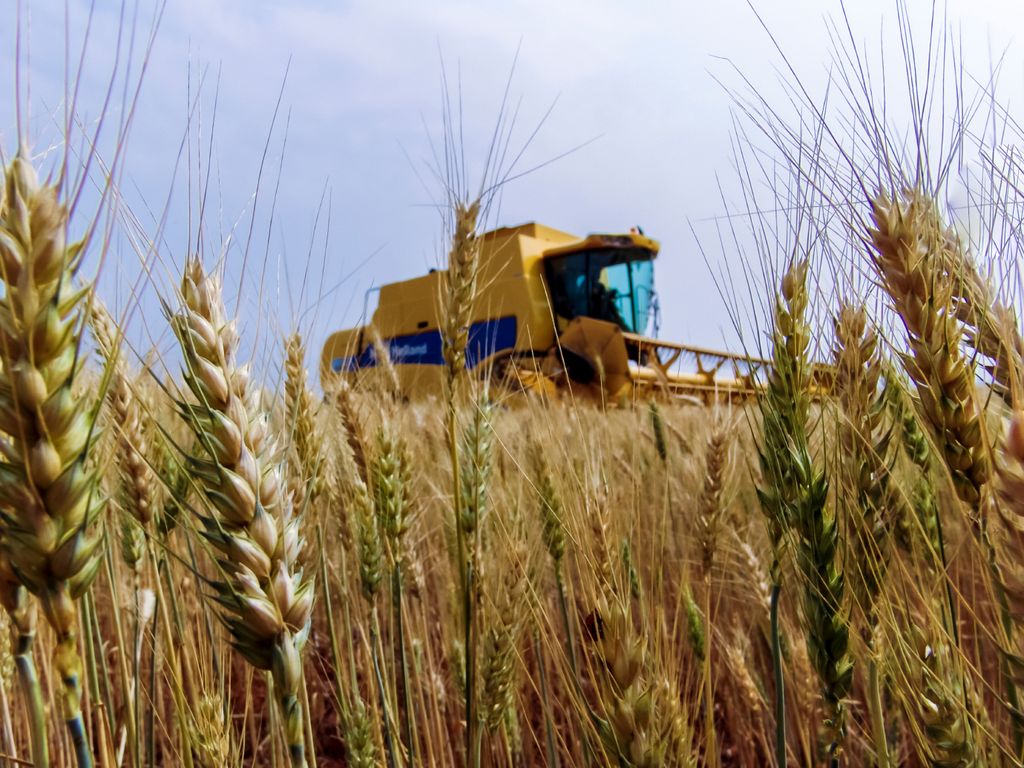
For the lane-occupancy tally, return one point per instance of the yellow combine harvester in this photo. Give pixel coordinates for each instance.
(554, 313)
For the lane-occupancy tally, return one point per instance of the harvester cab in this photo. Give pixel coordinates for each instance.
(605, 281)
(554, 313)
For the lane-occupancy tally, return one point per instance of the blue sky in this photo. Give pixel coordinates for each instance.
(635, 83)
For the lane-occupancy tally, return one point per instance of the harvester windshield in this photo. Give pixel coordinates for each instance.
(613, 284)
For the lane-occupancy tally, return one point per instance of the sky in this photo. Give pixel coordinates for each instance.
(623, 116)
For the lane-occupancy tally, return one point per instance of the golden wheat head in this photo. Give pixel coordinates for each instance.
(267, 602)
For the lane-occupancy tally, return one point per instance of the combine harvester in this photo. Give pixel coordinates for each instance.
(554, 314)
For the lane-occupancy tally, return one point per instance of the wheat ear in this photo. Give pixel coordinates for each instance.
(915, 446)
(644, 723)
(359, 743)
(908, 243)
(305, 459)
(48, 491)
(371, 573)
(135, 481)
(211, 739)
(864, 438)
(1010, 485)
(552, 517)
(910, 253)
(355, 434)
(504, 623)
(948, 740)
(658, 428)
(991, 326)
(391, 477)
(461, 284)
(136, 478)
(474, 476)
(710, 511)
(712, 503)
(865, 467)
(1010, 472)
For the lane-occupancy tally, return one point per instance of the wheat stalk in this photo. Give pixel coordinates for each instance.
(794, 496)
(21, 609)
(266, 602)
(474, 476)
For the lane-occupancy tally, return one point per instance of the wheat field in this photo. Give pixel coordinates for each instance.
(203, 568)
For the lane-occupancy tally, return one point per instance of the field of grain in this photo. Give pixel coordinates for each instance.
(203, 569)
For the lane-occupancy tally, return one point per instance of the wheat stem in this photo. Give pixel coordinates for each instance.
(129, 681)
(545, 696)
(29, 681)
(876, 711)
(780, 689)
(394, 757)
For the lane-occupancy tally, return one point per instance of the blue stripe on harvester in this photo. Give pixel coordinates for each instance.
(485, 339)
